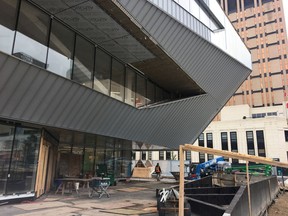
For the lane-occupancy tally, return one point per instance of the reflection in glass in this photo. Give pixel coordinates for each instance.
(130, 87)
(140, 91)
(102, 72)
(83, 62)
(31, 40)
(24, 161)
(150, 92)
(117, 80)
(6, 139)
(100, 165)
(60, 52)
(89, 156)
(7, 24)
(77, 155)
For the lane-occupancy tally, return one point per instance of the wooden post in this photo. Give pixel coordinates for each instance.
(248, 188)
(181, 182)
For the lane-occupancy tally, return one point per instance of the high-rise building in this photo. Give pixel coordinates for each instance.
(261, 25)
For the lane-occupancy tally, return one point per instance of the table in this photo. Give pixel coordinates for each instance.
(74, 181)
(100, 186)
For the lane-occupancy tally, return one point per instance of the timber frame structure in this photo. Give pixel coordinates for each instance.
(247, 158)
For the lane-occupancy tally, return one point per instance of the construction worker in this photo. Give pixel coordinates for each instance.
(158, 171)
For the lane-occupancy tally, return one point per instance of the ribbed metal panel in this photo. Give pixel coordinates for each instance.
(213, 70)
(34, 95)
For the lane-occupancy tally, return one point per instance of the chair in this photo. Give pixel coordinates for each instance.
(99, 186)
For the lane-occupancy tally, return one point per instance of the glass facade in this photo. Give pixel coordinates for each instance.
(87, 155)
(19, 147)
(34, 36)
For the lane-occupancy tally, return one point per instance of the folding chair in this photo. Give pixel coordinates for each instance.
(99, 186)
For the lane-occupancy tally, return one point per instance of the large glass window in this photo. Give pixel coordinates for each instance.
(83, 62)
(60, 55)
(130, 85)
(260, 143)
(209, 139)
(234, 144)
(6, 141)
(201, 143)
(32, 35)
(140, 91)
(224, 140)
(150, 92)
(102, 72)
(89, 156)
(7, 24)
(23, 166)
(250, 142)
(117, 80)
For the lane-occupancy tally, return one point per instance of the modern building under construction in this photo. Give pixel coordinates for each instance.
(81, 80)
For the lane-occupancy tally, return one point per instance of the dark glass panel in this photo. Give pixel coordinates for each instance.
(6, 141)
(60, 55)
(32, 36)
(130, 87)
(24, 159)
(232, 6)
(100, 156)
(234, 145)
(102, 72)
(117, 80)
(250, 142)
(150, 92)
(261, 143)
(89, 156)
(248, 4)
(224, 140)
(140, 91)
(7, 24)
(83, 62)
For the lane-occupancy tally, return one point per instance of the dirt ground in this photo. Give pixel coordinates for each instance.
(280, 207)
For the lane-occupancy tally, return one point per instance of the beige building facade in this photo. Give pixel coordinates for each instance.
(261, 25)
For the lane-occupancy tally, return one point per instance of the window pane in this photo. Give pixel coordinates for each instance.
(117, 80)
(6, 139)
(261, 143)
(250, 142)
(150, 92)
(102, 72)
(130, 87)
(224, 141)
(61, 50)
(7, 24)
(31, 40)
(140, 91)
(83, 62)
(24, 161)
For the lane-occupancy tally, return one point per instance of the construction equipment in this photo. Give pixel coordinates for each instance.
(207, 168)
(253, 169)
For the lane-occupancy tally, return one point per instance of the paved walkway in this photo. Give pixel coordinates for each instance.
(127, 198)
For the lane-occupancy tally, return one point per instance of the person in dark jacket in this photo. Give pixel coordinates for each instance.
(158, 171)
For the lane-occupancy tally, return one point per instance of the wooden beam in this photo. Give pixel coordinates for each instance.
(248, 188)
(246, 157)
(181, 182)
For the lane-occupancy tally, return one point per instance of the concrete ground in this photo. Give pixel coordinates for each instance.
(136, 197)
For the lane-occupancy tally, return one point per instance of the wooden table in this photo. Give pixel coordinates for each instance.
(65, 181)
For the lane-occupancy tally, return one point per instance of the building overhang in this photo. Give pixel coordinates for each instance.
(108, 25)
